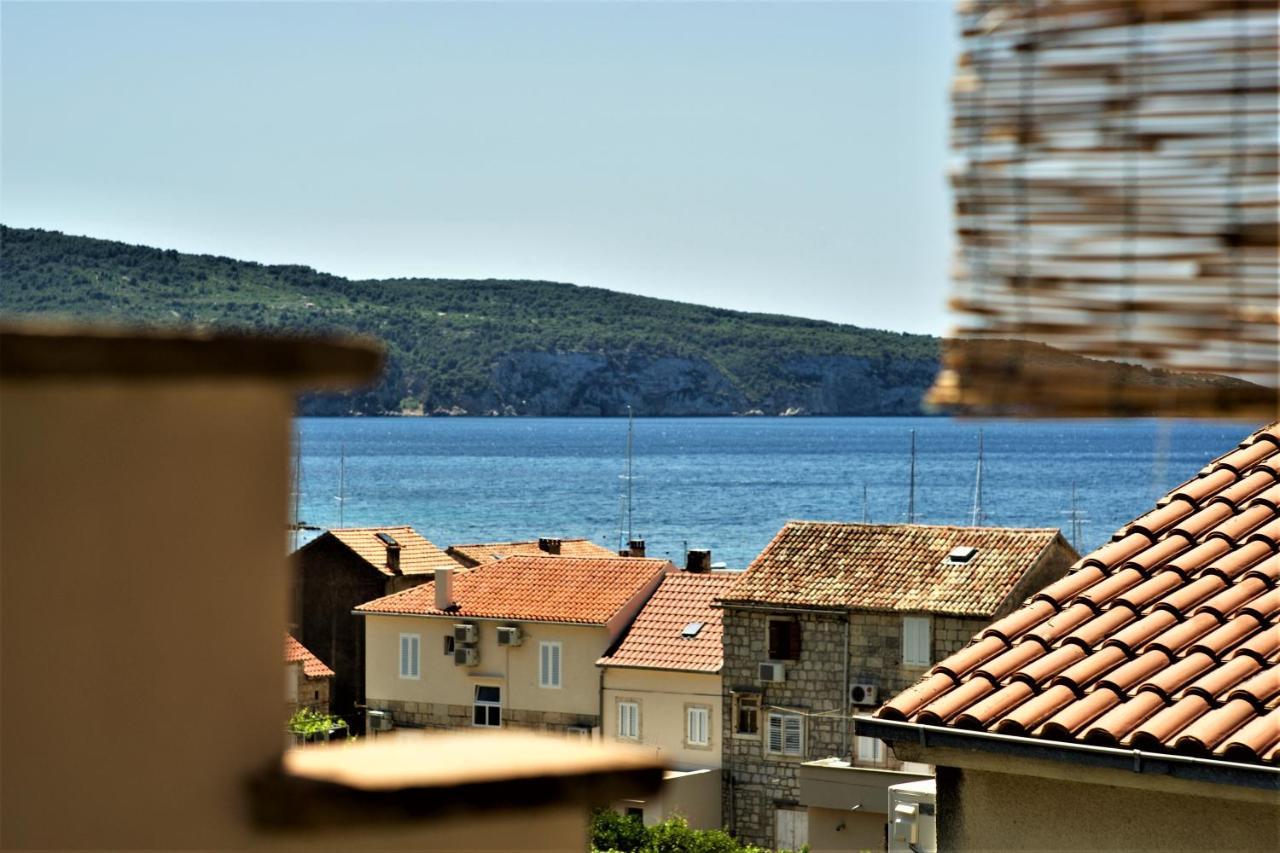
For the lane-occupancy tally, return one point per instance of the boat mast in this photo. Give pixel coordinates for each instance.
(978, 516)
(342, 483)
(866, 508)
(911, 488)
(630, 438)
(297, 486)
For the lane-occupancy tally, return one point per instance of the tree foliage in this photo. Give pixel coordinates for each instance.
(444, 336)
(614, 832)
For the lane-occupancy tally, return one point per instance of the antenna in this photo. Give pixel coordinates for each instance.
(911, 489)
(341, 497)
(977, 516)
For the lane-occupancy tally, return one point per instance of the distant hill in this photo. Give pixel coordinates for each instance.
(491, 346)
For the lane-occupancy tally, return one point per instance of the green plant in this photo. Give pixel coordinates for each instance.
(611, 831)
(308, 723)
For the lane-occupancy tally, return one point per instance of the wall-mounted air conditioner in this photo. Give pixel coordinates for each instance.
(380, 721)
(466, 656)
(863, 693)
(772, 672)
(466, 633)
(509, 636)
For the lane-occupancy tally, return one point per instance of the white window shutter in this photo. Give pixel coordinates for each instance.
(775, 733)
(404, 657)
(791, 744)
(413, 647)
(555, 665)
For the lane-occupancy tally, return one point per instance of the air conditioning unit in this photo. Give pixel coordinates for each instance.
(466, 656)
(862, 694)
(509, 636)
(772, 672)
(465, 633)
(380, 721)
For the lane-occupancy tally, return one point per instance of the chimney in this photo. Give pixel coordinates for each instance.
(698, 560)
(635, 548)
(548, 545)
(444, 589)
(393, 552)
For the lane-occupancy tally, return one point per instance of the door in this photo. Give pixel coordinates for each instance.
(791, 829)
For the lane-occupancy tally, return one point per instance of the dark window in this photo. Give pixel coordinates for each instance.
(448, 645)
(747, 721)
(634, 812)
(784, 639)
(488, 708)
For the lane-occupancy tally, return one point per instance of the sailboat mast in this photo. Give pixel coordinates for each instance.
(866, 508)
(911, 488)
(297, 486)
(630, 438)
(342, 484)
(977, 515)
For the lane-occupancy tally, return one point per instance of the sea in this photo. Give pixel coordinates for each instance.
(729, 484)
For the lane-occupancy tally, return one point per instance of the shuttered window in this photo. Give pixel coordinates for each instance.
(629, 720)
(786, 734)
(870, 750)
(698, 726)
(410, 644)
(549, 665)
(784, 639)
(915, 641)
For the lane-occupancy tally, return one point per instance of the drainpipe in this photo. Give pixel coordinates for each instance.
(844, 717)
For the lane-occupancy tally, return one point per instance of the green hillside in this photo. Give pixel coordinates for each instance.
(488, 345)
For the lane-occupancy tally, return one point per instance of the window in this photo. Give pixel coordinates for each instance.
(870, 750)
(784, 639)
(629, 720)
(448, 645)
(786, 734)
(697, 728)
(488, 707)
(549, 665)
(747, 714)
(409, 646)
(915, 641)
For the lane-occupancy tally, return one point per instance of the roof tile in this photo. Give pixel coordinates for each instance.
(656, 638)
(582, 590)
(1164, 639)
(312, 666)
(418, 556)
(895, 567)
(483, 553)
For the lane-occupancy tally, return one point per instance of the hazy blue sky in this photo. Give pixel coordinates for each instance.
(780, 157)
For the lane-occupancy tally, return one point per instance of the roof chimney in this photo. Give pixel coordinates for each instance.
(444, 589)
(393, 552)
(698, 560)
(635, 548)
(549, 546)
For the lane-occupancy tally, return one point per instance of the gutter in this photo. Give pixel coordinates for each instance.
(1133, 760)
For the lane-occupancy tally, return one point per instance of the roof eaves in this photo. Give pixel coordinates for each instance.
(1130, 760)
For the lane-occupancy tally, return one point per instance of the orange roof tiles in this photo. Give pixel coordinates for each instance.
(656, 641)
(901, 567)
(418, 556)
(1166, 639)
(312, 666)
(488, 552)
(583, 590)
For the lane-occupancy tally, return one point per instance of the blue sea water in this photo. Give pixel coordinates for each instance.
(729, 484)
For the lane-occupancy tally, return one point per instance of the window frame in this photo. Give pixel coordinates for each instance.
(488, 704)
(754, 701)
(876, 746)
(910, 637)
(783, 718)
(634, 705)
(545, 648)
(795, 646)
(705, 712)
(416, 656)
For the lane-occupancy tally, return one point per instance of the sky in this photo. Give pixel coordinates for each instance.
(781, 157)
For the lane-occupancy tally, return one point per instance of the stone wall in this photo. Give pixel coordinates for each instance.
(757, 782)
(436, 715)
(312, 693)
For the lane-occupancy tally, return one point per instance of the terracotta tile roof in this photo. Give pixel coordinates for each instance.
(1164, 639)
(312, 666)
(901, 567)
(487, 552)
(418, 556)
(656, 639)
(584, 590)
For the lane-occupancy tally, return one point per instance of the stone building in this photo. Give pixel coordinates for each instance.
(511, 644)
(306, 679)
(830, 619)
(344, 568)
